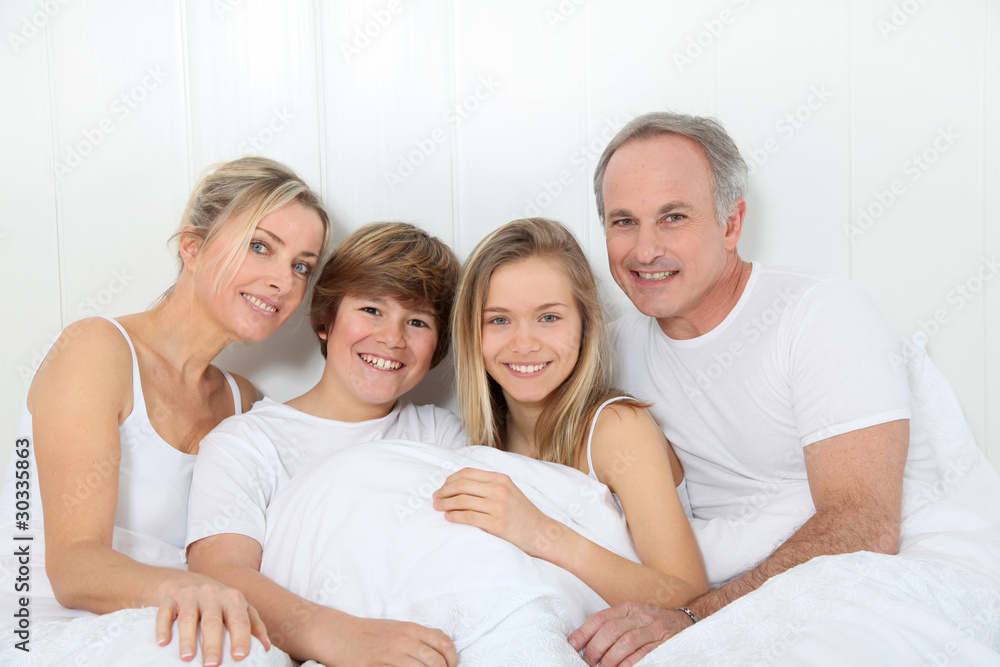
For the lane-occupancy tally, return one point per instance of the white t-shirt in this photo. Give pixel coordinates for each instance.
(799, 359)
(244, 462)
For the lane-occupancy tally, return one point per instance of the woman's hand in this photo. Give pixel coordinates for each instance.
(195, 600)
(491, 501)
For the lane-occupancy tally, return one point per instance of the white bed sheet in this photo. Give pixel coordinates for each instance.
(936, 603)
(358, 533)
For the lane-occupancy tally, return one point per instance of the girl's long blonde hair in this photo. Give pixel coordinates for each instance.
(563, 426)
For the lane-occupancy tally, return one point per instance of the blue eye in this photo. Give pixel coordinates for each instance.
(549, 318)
(258, 247)
(303, 268)
(499, 320)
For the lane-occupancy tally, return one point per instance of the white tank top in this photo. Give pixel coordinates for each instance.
(154, 479)
(681, 487)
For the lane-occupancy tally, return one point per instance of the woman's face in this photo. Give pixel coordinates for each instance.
(532, 330)
(270, 284)
(377, 350)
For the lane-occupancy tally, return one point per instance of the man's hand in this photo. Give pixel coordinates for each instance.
(624, 634)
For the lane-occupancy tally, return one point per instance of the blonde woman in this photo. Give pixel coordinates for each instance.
(533, 373)
(126, 402)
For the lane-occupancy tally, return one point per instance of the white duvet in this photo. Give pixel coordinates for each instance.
(357, 532)
(367, 541)
(936, 603)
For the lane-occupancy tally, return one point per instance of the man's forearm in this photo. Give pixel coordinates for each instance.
(833, 530)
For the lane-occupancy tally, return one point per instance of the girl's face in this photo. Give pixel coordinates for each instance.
(377, 350)
(271, 282)
(532, 330)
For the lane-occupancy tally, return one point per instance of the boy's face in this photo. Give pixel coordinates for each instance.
(377, 350)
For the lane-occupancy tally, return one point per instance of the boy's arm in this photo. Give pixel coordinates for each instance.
(308, 631)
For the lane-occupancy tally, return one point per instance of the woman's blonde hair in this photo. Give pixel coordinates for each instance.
(390, 259)
(563, 426)
(250, 186)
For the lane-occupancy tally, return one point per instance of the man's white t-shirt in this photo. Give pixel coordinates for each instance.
(798, 360)
(246, 460)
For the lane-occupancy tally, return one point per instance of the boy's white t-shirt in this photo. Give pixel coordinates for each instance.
(246, 460)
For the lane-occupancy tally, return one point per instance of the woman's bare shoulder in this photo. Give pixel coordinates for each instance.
(90, 355)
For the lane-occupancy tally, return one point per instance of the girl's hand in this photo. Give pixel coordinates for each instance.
(491, 501)
(195, 600)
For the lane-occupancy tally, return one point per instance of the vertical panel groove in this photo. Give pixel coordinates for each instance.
(849, 126)
(186, 90)
(455, 172)
(585, 238)
(985, 304)
(317, 9)
(55, 179)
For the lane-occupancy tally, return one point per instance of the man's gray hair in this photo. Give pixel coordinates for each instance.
(729, 170)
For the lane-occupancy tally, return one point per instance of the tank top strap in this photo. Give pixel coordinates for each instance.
(138, 400)
(237, 397)
(593, 425)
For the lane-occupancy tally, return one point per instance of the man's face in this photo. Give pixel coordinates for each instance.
(666, 248)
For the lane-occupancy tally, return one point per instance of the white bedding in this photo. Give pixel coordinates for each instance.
(358, 532)
(360, 535)
(936, 603)
(63, 637)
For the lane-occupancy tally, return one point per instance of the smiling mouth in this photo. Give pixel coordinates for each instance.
(381, 363)
(527, 368)
(659, 275)
(259, 304)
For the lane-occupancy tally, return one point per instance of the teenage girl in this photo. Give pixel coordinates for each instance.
(534, 378)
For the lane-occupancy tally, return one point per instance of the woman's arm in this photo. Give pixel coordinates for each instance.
(308, 631)
(630, 456)
(81, 393)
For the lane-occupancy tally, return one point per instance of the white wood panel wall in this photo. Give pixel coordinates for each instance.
(873, 129)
